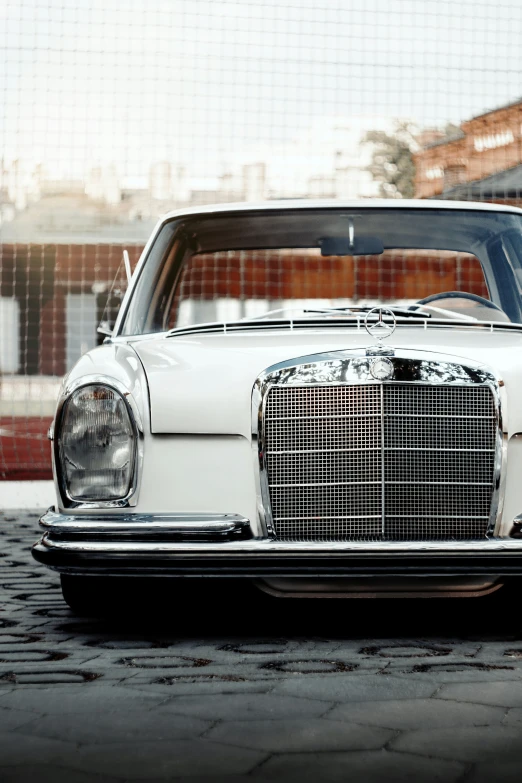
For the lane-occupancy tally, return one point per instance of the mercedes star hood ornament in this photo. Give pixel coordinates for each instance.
(380, 329)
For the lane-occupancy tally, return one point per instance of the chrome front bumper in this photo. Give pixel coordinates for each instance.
(222, 545)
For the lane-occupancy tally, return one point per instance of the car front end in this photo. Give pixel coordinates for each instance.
(368, 449)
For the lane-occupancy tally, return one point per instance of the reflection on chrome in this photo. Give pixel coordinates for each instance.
(358, 369)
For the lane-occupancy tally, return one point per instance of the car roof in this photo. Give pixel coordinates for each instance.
(267, 206)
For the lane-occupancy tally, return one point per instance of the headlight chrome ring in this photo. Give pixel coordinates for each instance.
(97, 450)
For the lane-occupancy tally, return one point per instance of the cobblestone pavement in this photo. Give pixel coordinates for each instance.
(253, 689)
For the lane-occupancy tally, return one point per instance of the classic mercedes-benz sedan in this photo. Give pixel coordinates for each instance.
(322, 397)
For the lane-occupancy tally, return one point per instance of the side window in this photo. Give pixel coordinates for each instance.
(109, 298)
(109, 303)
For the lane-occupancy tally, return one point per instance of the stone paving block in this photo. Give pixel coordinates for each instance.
(304, 735)
(17, 749)
(514, 717)
(49, 773)
(166, 659)
(503, 694)
(252, 648)
(11, 719)
(277, 666)
(13, 654)
(466, 743)
(355, 687)
(417, 714)
(200, 686)
(89, 696)
(456, 673)
(106, 727)
(398, 651)
(188, 666)
(243, 706)
(216, 777)
(499, 649)
(498, 771)
(45, 676)
(379, 766)
(146, 760)
(109, 646)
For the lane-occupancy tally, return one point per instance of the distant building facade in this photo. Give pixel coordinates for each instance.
(482, 160)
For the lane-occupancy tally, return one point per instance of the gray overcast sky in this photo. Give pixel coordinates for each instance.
(199, 81)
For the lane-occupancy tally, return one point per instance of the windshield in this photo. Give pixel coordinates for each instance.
(245, 265)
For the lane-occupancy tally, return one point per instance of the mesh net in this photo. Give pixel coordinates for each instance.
(112, 114)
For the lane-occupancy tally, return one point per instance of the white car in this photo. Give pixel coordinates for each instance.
(322, 397)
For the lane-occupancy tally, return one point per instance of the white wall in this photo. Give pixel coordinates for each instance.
(81, 326)
(9, 335)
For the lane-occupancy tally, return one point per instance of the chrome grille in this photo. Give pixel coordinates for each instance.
(371, 461)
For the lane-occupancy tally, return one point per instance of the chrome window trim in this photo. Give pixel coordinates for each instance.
(345, 363)
(131, 498)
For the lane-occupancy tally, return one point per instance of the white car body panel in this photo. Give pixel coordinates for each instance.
(204, 383)
(199, 474)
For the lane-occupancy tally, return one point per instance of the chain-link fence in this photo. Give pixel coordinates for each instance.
(114, 113)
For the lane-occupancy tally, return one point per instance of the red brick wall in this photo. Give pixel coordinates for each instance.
(39, 277)
(483, 151)
(396, 274)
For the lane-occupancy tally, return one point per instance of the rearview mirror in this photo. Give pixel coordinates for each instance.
(360, 246)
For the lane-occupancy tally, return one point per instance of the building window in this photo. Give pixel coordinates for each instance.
(491, 141)
(10, 331)
(454, 175)
(81, 326)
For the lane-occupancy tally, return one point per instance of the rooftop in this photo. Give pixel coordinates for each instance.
(446, 140)
(504, 184)
(509, 105)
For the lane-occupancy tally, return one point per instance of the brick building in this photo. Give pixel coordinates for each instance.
(481, 161)
(60, 293)
(52, 297)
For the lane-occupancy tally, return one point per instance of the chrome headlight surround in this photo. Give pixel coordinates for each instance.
(130, 499)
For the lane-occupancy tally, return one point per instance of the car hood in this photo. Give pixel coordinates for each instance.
(203, 383)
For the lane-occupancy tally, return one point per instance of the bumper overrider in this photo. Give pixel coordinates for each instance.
(223, 545)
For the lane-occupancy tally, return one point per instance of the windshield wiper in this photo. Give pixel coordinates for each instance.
(401, 311)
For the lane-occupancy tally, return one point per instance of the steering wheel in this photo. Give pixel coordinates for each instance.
(460, 295)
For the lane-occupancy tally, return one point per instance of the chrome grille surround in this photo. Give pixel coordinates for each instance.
(343, 457)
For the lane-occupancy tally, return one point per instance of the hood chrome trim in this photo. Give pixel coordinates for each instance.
(297, 324)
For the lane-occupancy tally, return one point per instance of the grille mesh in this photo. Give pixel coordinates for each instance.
(372, 462)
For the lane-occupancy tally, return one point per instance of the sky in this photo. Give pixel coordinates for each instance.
(207, 83)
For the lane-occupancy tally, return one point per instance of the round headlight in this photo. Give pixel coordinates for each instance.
(97, 445)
